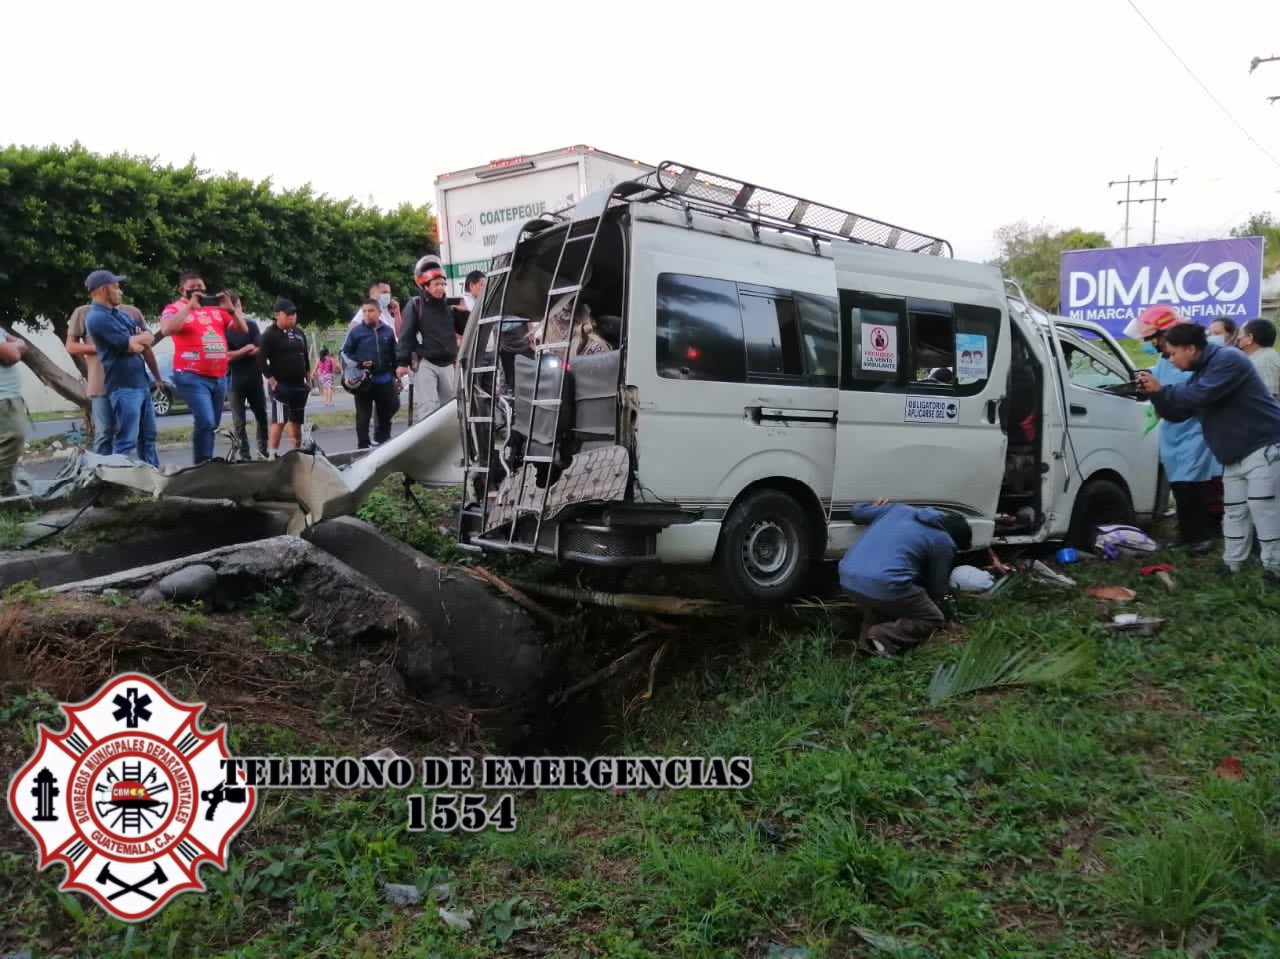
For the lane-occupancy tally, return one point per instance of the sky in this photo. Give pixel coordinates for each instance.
(950, 118)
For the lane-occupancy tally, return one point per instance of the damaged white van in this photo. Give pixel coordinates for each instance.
(692, 369)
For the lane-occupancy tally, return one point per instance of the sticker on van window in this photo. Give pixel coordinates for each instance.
(971, 357)
(879, 348)
(931, 409)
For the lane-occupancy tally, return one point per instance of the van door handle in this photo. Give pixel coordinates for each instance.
(1077, 410)
(993, 409)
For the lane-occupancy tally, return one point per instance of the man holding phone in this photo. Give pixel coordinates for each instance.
(198, 322)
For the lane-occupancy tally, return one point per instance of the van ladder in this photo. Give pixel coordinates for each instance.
(478, 427)
(581, 234)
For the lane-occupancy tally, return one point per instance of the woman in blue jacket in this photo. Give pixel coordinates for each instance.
(1188, 464)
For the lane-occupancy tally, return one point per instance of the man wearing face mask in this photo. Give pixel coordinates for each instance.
(1188, 464)
(1241, 423)
(429, 337)
(1223, 332)
(1258, 341)
(388, 307)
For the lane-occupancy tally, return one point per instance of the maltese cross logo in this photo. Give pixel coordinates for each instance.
(117, 797)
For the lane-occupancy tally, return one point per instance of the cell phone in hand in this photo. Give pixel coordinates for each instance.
(210, 299)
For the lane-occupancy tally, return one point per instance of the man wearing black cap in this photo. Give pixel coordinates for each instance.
(285, 362)
(429, 334)
(120, 342)
(79, 344)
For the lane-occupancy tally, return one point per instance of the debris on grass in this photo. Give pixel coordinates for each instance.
(1111, 594)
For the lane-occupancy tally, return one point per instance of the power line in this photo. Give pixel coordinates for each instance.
(1209, 93)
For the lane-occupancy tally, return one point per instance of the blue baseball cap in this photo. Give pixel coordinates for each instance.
(101, 278)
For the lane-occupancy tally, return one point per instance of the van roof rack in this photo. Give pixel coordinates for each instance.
(735, 199)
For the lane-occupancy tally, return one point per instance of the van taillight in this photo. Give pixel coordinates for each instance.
(692, 353)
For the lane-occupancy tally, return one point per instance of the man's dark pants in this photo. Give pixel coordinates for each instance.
(251, 392)
(1194, 503)
(897, 624)
(383, 397)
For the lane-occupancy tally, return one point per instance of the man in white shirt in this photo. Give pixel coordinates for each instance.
(380, 290)
(1258, 339)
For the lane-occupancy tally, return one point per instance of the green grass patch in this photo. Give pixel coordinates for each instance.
(1087, 816)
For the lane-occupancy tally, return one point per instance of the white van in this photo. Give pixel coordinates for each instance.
(759, 363)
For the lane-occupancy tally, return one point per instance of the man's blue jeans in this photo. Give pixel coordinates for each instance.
(104, 426)
(205, 396)
(135, 421)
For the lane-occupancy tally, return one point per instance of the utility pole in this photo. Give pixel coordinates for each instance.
(1128, 182)
(1156, 198)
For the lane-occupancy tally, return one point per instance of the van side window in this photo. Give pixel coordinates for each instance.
(904, 344)
(772, 331)
(978, 335)
(819, 333)
(874, 337)
(699, 326)
(931, 334)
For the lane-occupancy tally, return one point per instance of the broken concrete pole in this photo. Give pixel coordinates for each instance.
(187, 584)
(166, 530)
(494, 645)
(343, 606)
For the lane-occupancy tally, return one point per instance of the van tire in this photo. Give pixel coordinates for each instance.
(1102, 501)
(766, 549)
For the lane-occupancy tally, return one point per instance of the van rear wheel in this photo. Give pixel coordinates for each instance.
(766, 548)
(1102, 501)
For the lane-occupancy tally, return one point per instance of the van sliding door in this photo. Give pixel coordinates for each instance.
(924, 361)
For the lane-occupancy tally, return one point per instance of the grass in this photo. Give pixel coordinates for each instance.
(1080, 819)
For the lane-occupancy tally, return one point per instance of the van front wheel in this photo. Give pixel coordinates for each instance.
(1100, 502)
(766, 548)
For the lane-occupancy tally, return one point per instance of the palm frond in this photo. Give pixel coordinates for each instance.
(991, 661)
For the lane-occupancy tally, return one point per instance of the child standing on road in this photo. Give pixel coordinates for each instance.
(324, 372)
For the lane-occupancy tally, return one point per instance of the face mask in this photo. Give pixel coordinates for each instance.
(1218, 339)
(1150, 348)
(384, 300)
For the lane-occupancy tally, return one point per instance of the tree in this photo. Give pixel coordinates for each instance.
(1268, 227)
(1032, 255)
(65, 212)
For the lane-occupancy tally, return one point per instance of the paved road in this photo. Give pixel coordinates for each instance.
(329, 440)
(342, 400)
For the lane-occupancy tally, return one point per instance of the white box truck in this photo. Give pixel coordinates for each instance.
(474, 206)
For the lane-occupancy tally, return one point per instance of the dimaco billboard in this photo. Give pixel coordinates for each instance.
(1204, 281)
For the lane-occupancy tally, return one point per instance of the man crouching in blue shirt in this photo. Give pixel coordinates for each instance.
(898, 571)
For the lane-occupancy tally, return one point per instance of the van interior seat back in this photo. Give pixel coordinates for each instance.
(595, 398)
(538, 422)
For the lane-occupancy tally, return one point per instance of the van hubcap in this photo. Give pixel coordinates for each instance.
(767, 552)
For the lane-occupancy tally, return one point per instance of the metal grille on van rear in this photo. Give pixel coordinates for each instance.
(785, 211)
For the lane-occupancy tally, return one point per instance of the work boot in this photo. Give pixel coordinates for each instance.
(1270, 577)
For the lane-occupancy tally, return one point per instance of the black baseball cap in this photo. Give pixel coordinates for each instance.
(284, 306)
